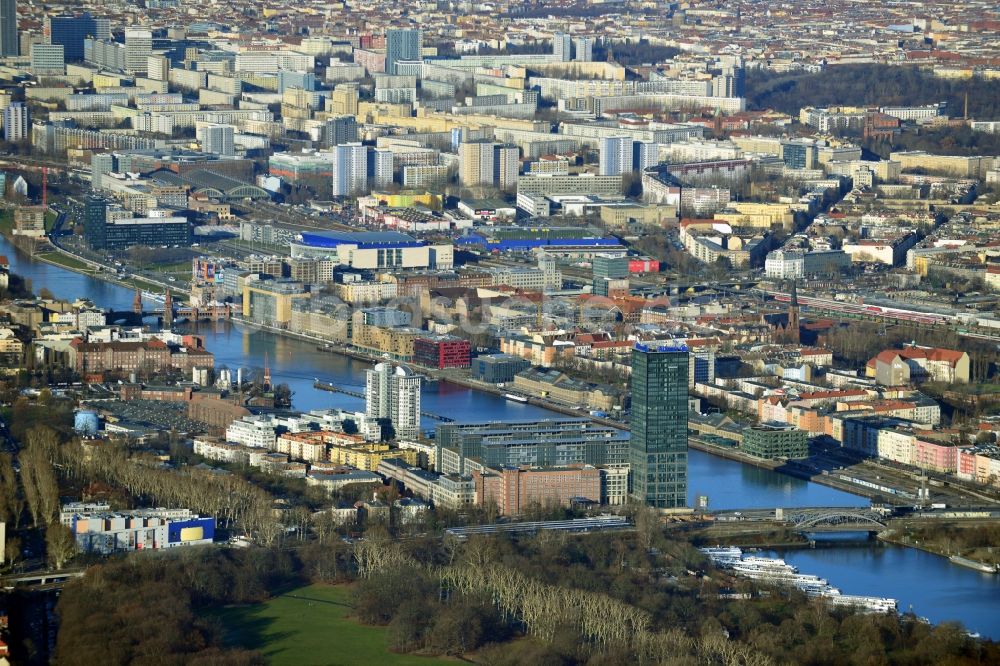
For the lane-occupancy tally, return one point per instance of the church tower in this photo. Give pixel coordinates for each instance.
(792, 329)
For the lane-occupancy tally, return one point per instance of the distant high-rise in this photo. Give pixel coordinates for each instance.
(350, 170)
(607, 268)
(658, 444)
(584, 47)
(475, 163)
(8, 28)
(340, 130)
(562, 46)
(616, 155)
(380, 164)
(645, 154)
(71, 31)
(216, 138)
(485, 163)
(16, 122)
(394, 394)
(95, 219)
(138, 48)
(158, 68)
(48, 59)
(401, 45)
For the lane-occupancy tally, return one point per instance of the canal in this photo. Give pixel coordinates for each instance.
(934, 587)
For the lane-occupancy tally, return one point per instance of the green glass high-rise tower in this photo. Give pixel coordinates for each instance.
(658, 447)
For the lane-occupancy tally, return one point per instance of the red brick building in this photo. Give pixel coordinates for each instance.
(513, 489)
(96, 358)
(442, 352)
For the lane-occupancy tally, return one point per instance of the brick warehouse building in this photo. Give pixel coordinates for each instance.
(442, 352)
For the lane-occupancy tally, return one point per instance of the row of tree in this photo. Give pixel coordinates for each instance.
(35, 491)
(871, 85)
(233, 501)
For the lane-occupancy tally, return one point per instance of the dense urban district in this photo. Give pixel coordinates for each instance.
(567, 332)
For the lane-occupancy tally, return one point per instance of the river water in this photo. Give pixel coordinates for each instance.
(934, 587)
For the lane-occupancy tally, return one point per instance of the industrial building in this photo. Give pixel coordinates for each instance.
(373, 250)
(98, 529)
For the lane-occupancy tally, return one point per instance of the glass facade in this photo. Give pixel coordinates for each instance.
(658, 448)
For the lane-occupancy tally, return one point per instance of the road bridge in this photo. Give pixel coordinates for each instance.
(39, 578)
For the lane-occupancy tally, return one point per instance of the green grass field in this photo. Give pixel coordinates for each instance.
(309, 626)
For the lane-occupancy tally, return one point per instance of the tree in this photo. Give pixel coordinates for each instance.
(12, 550)
(11, 503)
(60, 545)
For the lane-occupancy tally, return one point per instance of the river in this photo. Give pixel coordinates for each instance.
(926, 584)
(934, 587)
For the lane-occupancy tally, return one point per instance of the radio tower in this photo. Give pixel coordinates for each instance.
(45, 188)
(267, 374)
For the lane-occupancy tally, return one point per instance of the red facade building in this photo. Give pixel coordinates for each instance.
(442, 352)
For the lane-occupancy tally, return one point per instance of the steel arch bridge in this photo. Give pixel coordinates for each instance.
(836, 519)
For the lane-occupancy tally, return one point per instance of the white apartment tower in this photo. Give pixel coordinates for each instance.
(350, 169)
(394, 393)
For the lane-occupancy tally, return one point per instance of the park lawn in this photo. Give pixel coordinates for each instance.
(309, 626)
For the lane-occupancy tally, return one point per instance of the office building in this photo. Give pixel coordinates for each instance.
(562, 46)
(444, 351)
(138, 48)
(401, 45)
(70, 32)
(776, 440)
(658, 447)
(122, 234)
(48, 59)
(463, 447)
(394, 393)
(616, 155)
(515, 489)
(799, 154)
(350, 170)
(16, 122)
(498, 368)
(608, 269)
(95, 214)
(8, 28)
(216, 138)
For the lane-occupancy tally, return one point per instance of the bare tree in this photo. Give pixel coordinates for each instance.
(60, 545)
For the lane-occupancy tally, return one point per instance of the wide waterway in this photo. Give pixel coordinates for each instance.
(934, 587)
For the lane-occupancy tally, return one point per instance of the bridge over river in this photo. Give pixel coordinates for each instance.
(814, 519)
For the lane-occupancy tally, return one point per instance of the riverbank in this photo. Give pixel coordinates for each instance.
(55, 255)
(465, 381)
(945, 545)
